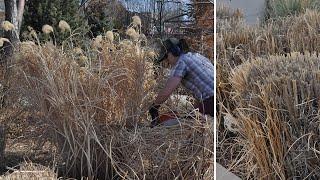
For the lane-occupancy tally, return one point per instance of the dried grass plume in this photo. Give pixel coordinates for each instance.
(97, 41)
(110, 36)
(132, 33)
(64, 26)
(136, 20)
(33, 34)
(151, 54)
(7, 26)
(47, 29)
(77, 50)
(82, 60)
(2, 40)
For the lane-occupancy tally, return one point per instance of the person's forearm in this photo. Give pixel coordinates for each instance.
(161, 97)
(164, 94)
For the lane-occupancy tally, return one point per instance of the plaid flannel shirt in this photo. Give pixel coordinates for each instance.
(196, 72)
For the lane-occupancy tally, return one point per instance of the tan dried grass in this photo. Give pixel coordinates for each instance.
(225, 12)
(272, 98)
(31, 171)
(182, 151)
(98, 109)
(277, 111)
(238, 43)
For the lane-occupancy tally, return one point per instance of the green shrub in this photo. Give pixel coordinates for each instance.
(41, 12)
(283, 8)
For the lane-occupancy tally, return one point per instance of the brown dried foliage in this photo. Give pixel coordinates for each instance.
(273, 100)
(96, 105)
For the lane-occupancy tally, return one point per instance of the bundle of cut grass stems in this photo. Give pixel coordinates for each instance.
(95, 97)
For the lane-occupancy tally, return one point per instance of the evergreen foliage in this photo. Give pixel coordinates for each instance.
(40, 12)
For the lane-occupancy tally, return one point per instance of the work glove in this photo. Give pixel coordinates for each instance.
(154, 112)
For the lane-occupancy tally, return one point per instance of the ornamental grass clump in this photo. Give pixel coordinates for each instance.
(96, 98)
(76, 100)
(261, 109)
(225, 12)
(238, 43)
(278, 116)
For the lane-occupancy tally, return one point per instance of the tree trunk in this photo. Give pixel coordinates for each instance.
(20, 13)
(11, 14)
(2, 147)
(160, 19)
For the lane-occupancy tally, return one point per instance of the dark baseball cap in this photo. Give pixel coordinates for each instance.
(165, 47)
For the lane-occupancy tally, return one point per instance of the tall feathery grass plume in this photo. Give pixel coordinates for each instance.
(132, 33)
(64, 26)
(47, 29)
(2, 40)
(97, 43)
(136, 21)
(110, 36)
(7, 26)
(77, 51)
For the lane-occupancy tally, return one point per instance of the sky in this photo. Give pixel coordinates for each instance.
(140, 5)
(251, 13)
